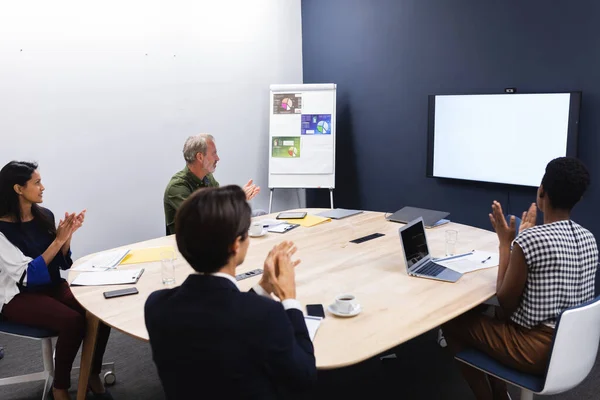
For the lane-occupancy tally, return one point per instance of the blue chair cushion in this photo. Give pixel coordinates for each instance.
(491, 366)
(24, 330)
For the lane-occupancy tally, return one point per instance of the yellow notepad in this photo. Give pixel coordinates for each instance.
(149, 254)
(308, 221)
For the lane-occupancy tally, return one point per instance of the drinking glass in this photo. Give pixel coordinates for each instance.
(451, 239)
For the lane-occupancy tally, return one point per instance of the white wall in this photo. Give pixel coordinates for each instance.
(103, 95)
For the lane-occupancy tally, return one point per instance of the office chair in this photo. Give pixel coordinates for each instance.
(573, 354)
(47, 375)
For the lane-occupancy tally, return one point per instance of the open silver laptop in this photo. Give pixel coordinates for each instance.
(417, 257)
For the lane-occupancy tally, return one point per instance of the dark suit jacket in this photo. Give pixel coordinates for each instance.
(210, 339)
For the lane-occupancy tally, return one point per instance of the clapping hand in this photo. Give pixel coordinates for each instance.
(251, 190)
(505, 232)
(78, 220)
(529, 217)
(65, 228)
(276, 271)
(284, 280)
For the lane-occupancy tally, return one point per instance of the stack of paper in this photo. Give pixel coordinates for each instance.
(312, 323)
(470, 262)
(103, 261)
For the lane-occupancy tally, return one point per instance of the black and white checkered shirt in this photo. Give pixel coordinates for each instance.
(562, 258)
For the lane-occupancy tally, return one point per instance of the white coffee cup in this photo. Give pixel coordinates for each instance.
(346, 303)
(256, 228)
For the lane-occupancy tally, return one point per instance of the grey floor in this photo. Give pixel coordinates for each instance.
(422, 370)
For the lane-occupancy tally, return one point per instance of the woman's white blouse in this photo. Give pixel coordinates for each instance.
(13, 264)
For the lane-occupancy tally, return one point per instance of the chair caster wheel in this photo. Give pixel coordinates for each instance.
(110, 378)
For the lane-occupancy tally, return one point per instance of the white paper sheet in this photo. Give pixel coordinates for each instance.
(316, 157)
(475, 261)
(107, 277)
(312, 323)
(268, 223)
(282, 228)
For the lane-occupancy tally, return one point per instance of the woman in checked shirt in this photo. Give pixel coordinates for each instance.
(550, 268)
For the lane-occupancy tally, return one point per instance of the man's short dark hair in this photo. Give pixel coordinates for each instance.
(565, 181)
(208, 223)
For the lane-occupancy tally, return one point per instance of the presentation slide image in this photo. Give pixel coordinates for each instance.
(287, 103)
(316, 124)
(285, 147)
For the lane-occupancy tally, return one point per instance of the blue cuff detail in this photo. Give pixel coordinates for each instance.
(37, 272)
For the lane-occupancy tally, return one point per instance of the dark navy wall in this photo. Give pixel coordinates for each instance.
(387, 56)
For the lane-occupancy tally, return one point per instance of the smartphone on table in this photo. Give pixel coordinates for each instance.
(120, 292)
(315, 310)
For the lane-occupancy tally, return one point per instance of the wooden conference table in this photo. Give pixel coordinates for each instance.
(395, 306)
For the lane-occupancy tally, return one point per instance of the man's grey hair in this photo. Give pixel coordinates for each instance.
(194, 145)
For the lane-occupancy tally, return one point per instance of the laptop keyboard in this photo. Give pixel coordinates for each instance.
(430, 269)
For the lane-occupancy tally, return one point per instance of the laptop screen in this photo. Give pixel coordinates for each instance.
(414, 243)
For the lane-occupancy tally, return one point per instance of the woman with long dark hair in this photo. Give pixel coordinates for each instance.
(32, 291)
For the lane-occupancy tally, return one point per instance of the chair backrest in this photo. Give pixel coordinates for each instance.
(597, 281)
(575, 347)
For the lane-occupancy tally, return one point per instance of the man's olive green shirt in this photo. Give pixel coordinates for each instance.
(180, 187)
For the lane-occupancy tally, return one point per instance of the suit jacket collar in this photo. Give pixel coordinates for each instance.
(208, 282)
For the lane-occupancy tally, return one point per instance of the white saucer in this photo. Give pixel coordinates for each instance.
(263, 233)
(333, 309)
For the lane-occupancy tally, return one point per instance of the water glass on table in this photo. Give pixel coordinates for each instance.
(167, 267)
(451, 239)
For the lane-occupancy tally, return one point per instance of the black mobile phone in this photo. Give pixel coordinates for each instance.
(120, 292)
(315, 310)
(291, 215)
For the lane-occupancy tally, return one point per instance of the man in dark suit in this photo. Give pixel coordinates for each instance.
(208, 339)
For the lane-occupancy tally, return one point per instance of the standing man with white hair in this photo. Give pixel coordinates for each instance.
(200, 154)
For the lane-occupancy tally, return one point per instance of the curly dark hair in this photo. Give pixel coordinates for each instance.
(565, 181)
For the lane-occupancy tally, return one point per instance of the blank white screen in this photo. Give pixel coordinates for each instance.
(499, 138)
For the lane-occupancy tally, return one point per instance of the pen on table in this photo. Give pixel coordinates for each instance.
(140, 274)
(456, 256)
(483, 261)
